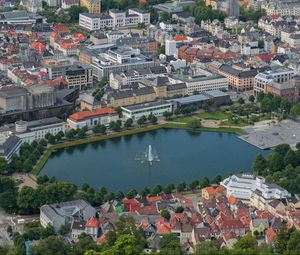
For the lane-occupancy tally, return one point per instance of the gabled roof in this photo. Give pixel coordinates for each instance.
(92, 222)
(80, 116)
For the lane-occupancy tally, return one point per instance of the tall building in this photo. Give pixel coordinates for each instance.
(34, 5)
(94, 6)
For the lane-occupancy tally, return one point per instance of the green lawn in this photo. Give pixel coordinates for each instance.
(239, 123)
(216, 115)
(186, 119)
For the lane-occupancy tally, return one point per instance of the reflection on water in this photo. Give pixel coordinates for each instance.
(184, 156)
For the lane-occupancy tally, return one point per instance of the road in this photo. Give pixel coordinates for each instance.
(12, 220)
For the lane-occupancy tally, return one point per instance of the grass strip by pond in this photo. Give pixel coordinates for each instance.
(38, 167)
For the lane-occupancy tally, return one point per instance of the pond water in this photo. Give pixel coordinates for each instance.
(184, 156)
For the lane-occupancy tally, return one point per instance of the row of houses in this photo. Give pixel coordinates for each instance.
(223, 212)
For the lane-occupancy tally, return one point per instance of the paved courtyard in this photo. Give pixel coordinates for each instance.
(266, 135)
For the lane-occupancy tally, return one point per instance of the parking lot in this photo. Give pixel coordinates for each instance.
(267, 134)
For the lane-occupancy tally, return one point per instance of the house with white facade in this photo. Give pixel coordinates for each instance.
(157, 108)
(247, 186)
(89, 119)
(115, 18)
(37, 129)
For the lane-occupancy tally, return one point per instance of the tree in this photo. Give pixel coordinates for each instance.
(128, 123)
(164, 16)
(63, 230)
(181, 187)
(176, 111)
(131, 194)
(49, 246)
(74, 12)
(71, 134)
(161, 50)
(194, 124)
(142, 120)
(152, 118)
(167, 115)
(179, 209)
(81, 132)
(145, 191)
(165, 214)
(119, 111)
(295, 111)
(59, 135)
(246, 242)
(3, 166)
(156, 190)
(260, 96)
(51, 139)
(260, 164)
(251, 98)
(116, 126)
(241, 100)
(194, 184)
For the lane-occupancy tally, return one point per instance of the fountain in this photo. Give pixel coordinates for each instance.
(150, 156)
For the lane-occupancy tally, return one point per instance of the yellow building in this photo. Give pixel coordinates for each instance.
(211, 3)
(240, 80)
(94, 6)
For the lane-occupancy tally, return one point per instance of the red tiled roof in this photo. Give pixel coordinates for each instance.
(232, 200)
(79, 116)
(231, 224)
(180, 38)
(163, 226)
(92, 222)
(147, 210)
(213, 190)
(271, 234)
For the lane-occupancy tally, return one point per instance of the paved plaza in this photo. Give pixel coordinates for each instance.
(266, 135)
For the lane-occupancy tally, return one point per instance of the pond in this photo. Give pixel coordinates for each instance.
(183, 156)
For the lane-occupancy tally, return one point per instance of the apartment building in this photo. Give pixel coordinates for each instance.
(119, 59)
(240, 80)
(79, 76)
(157, 108)
(116, 18)
(94, 6)
(200, 83)
(277, 75)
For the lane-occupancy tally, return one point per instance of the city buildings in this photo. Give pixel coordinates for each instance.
(116, 18)
(238, 79)
(89, 119)
(79, 76)
(93, 6)
(65, 213)
(20, 18)
(247, 187)
(119, 79)
(277, 75)
(119, 59)
(9, 144)
(199, 83)
(35, 102)
(157, 108)
(29, 131)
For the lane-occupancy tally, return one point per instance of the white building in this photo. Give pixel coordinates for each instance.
(66, 4)
(201, 82)
(116, 18)
(65, 213)
(243, 186)
(89, 119)
(278, 75)
(171, 48)
(9, 144)
(157, 108)
(37, 129)
(118, 60)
